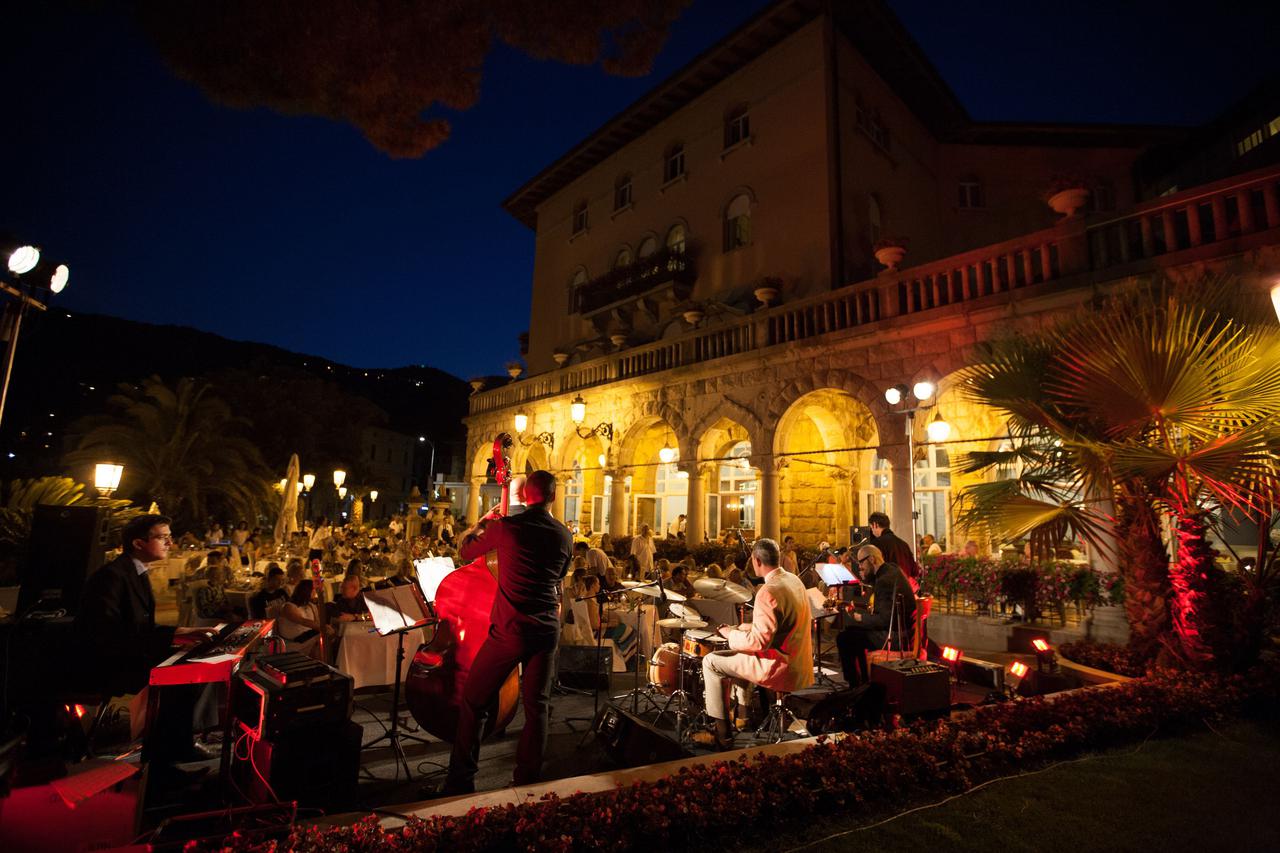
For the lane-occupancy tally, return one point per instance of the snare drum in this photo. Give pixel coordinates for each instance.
(664, 669)
(700, 643)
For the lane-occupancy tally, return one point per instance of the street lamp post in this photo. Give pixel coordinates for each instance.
(106, 478)
(907, 401)
(24, 261)
(431, 471)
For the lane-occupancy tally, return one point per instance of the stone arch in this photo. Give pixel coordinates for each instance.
(726, 408)
(775, 405)
(825, 443)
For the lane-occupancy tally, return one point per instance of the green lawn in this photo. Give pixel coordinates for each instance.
(1196, 792)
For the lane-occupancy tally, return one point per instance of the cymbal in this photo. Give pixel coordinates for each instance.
(685, 611)
(675, 622)
(719, 589)
(651, 590)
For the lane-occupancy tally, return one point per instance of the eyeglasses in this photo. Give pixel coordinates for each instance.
(862, 560)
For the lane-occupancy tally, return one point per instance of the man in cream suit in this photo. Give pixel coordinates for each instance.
(775, 651)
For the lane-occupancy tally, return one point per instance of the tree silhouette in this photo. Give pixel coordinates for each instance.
(181, 447)
(380, 64)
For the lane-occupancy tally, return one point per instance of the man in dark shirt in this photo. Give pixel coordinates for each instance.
(349, 605)
(534, 551)
(871, 631)
(891, 547)
(271, 593)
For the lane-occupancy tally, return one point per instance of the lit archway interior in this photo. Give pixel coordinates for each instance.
(584, 484)
(826, 484)
(657, 493)
(732, 484)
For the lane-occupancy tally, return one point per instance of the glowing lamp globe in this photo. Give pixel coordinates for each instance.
(373, 495)
(923, 390)
(522, 421)
(299, 487)
(578, 410)
(342, 493)
(308, 480)
(667, 454)
(895, 394)
(938, 430)
(339, 477)
(601, 460)
(24, 260)
(58, 281)
(1275, 298)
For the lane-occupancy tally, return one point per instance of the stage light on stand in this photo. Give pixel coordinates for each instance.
(1046, 660)
(895, 394)
(923, 390)
(951, 654)
(58, 281)
(23, 260)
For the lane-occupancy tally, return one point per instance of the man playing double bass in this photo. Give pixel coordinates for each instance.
(534, 552)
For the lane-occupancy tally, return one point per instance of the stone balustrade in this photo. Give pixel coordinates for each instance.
(1214, 219)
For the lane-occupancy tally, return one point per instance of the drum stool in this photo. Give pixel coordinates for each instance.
(775, 725)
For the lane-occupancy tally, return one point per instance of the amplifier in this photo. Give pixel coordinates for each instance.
(981, 672)
(289, 691)
(914, 686)
(319, 767)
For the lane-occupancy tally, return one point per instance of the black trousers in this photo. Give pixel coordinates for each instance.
(499, 655)
(853, 644)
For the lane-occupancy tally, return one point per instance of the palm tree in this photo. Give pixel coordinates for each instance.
(1166, 401)
(181, 447)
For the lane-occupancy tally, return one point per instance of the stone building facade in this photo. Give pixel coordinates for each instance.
(706, 284)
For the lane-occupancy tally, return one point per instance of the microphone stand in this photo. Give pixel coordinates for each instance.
(641, 627)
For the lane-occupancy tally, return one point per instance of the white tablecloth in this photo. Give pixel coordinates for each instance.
(370, 659)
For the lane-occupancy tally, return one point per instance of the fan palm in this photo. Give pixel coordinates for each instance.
(181, 447)
(1165, 401)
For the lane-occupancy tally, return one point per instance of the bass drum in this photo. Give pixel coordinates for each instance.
(664, 669)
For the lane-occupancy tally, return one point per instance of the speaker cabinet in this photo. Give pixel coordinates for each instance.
(631, 742)
(584, 667)
(67, 544)
(318, 766)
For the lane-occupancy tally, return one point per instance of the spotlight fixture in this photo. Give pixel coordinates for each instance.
(895, 394)
(1018, 669)
(23, 260)
(951, 654)
(922, 390)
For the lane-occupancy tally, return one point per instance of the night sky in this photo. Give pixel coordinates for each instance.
(295, 231)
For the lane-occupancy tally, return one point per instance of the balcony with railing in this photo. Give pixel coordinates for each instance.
(665, 270)
(1214, 220)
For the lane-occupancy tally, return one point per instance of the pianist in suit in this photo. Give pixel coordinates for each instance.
(121, 641)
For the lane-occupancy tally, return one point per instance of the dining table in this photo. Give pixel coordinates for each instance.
(370, 658)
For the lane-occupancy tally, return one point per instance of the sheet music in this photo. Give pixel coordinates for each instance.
(395, 608)
(834, 574)
(432, 570)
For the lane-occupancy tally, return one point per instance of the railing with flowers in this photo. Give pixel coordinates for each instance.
(1066, 591)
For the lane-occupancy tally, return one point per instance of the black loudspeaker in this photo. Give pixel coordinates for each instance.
(584, 667)
(914, 686)
(843, 711)
(317, 765)
(67, 544)
(632, 742)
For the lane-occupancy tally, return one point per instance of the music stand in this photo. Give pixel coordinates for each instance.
(398, 610)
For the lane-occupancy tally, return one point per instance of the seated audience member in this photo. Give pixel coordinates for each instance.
(680, 581)
(714, 571)
(611, 581)
(299, 622)
(294, 573)
(661, 569)
(349, 605)
(268, 599)
(970, 549)
(355, 568)
(405, 573)
(211, 599)
(734, 575)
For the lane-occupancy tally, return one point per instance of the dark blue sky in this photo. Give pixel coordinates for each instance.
(296, 232)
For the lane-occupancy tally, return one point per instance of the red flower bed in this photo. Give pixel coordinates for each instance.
(1105, 656)
(731, 799)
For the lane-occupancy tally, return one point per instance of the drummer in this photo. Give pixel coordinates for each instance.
(774, 651)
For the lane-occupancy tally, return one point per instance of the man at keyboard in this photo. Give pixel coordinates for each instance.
(121, 642)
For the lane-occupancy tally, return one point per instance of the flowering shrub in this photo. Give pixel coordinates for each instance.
(1107, 656)
(1047, 587)
(731, 799)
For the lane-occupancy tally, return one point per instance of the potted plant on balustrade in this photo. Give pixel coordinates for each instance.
(890, 251)
(1067, 193)
(767, 290)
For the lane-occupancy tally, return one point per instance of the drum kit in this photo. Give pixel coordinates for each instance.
(675, 668)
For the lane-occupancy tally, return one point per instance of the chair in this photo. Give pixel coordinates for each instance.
(918, 648)
(775, 725)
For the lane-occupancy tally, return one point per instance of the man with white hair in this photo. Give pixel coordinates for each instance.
(775, 651)
(881, 627)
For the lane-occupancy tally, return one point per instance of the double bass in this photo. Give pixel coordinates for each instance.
(438, 673)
